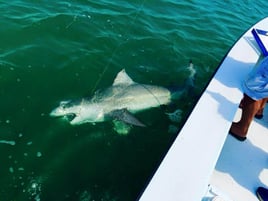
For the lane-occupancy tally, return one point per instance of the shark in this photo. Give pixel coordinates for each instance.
(120, 101)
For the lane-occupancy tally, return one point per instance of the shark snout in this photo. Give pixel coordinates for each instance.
(56, 113)
(59, 113)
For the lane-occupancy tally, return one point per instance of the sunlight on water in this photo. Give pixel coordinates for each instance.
(8, 142)
(34, 189)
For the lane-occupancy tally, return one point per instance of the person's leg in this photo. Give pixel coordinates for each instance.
(250, 108)
(259, 113)
(241, 102)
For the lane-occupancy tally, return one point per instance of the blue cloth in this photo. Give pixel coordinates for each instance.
(256, 84)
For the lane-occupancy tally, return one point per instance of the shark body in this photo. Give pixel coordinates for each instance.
(119, 101)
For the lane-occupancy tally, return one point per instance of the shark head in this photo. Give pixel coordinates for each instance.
(78, 112)
(68, 109)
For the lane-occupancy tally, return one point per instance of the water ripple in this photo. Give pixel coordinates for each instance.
(52, 50)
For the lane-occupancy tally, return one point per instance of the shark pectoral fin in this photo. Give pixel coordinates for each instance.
(125, 116)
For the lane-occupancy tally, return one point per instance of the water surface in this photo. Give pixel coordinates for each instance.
(53, 51)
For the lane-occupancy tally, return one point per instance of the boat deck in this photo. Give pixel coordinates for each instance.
(243, 166)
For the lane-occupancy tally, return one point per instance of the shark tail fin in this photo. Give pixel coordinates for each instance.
(187, 86)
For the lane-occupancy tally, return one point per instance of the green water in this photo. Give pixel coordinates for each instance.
(60, 50)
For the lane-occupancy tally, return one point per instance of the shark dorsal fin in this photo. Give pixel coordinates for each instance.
(123, 78)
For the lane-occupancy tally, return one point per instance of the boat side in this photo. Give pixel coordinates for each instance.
(185, 172)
